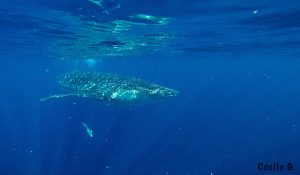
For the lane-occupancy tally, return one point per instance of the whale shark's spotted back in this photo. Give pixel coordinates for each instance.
(106, 86)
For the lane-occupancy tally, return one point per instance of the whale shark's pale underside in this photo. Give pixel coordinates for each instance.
(110, 87)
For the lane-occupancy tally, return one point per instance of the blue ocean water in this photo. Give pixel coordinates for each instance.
(235, 64)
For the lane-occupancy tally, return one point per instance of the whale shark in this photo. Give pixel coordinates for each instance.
(110, 87)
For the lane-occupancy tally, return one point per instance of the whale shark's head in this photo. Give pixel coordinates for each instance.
(138, 94)
(162, 92)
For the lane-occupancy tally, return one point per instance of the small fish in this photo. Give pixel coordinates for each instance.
(97, 2)
(88, 130)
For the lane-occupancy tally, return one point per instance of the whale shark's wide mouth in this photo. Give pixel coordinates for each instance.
(171, 93)
(164, 92)
(135, 95)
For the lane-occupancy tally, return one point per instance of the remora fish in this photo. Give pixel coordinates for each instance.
(88, 130)
(110, 87)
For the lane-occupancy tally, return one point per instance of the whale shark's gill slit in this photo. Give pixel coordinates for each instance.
(110, 87)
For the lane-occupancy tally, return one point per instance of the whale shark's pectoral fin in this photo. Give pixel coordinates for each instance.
(79, 94)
